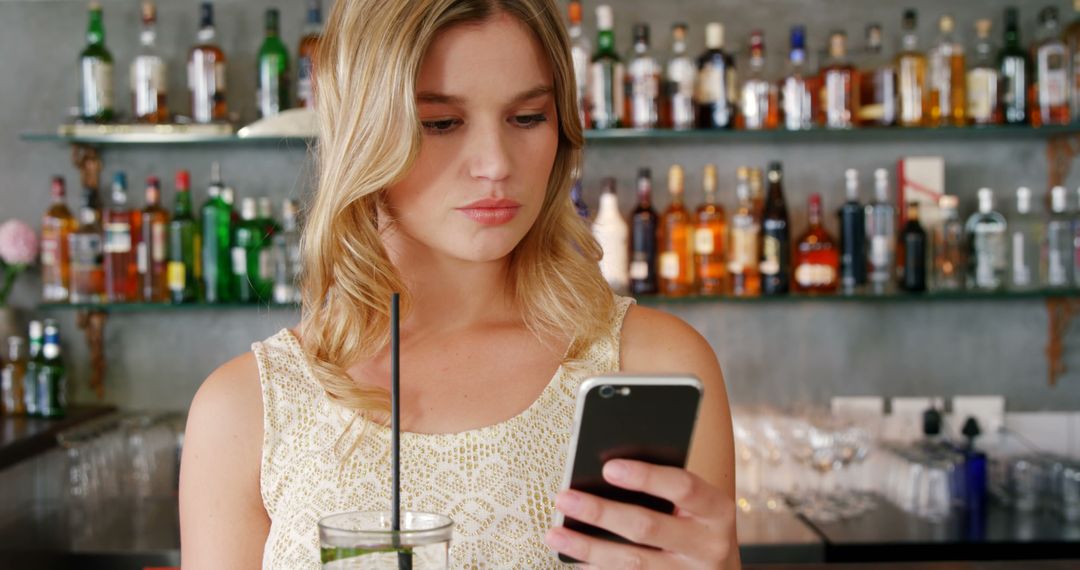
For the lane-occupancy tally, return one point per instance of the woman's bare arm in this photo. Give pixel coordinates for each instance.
(222, 520)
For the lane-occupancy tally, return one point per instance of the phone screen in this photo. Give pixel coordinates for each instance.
(646, 419)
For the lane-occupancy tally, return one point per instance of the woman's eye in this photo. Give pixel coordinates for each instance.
(439, 127)
(529, 121)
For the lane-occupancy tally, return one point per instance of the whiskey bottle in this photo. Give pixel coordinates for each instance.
(152, 249)
(643, 83)
(758, 110)
(817, 259)
(795, 94)
(717, 83)
(56, 225)
(947, 83)
(676, 241)
(1051, 72)
(206, 72)
(96, 72)
(911, 75)
(120, 225)
(149, 81)
(877, 100)
(838, 86)
(87, 253)
(606, 76)
(643, 229)
(681, 76)
(775, 264)
(983, 80)
(1015, 72)
(309, 42)
(710, 239)
(745, 237)
(948, 247)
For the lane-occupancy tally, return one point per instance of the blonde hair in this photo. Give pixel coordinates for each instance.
(369, 136)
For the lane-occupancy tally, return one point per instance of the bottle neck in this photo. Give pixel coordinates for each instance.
(95, 32)
(814, 216)
(183, 202)
(1012, 37)
(153, 196)
(148, 36)
(910, 41)
(913, 214)
(207, 34)
(676, 198)
(605, 41)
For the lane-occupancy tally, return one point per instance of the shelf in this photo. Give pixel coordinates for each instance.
(164, 307)
(893, 134)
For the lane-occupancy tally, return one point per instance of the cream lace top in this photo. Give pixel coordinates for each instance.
(497, 483)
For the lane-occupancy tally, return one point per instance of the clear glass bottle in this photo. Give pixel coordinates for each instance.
(986, 252)
(643, 75)
(676, 260)
(643, 226)
(983, 79)
(756, 106)
(613, 234)
(745, 236)
(948, 247)
(680, 80)
(877, 104)
(947, 81)
(911, 74)
(1059, 241)
(287, 256)
(206, 72)
(881, 237)
(581, 51)
(838, 80)
(710, 239)
(1076, 245)
(1026, 235)
(1051, 72)
(852, 237)
(1015, 73)
(606, 75)
(717, 82)
(87, 253)
(149, 81)
(795, 97)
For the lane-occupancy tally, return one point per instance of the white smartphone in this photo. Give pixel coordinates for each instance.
(620, 416)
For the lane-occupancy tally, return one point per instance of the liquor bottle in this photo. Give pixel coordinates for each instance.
(272, 90)
(912, 252)
(985, 231)
(1051, 72)
(152, 250)
(33, 366)
(216, 233)
(716, 82)
(612, 233)
(96, 72)
(948, 247)
(149, 82)
(643, 226)
(776, 240)
(229, 196)
(911, 74)
(643, 76)
(120, 225)
(607, 75)
(710, 237)
(206, 72)
(287, 256)
(757, 193)
(251, 260)
(577, 199)
(794, 88)
(852, 237)
(56, 225)
(838, 86)
(87, 253)
(1026, 236)
(1015, 73)
(182, 271)
(946, 80)
(877, 104)
(983, 107)
(51, 376)
(1059, 242)
(745, 237)
(881, 236)
(817, 259)
(676, 241)
(305, 57)
(679, 82)
(13, 377)
(755, 110)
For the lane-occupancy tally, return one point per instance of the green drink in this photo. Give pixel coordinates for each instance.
(365, 540)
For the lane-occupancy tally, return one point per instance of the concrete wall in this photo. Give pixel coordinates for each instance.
(775, 352)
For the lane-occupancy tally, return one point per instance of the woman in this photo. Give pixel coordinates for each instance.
(448, 135)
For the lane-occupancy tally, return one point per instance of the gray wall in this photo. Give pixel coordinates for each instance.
(774, 352)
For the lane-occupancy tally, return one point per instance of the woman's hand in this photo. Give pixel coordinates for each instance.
(698, 535)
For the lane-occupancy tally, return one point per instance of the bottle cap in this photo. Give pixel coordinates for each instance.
(986, 200)
(983, 27)
(946, 24)
(815, 203)
(838, 44)
(248, 208)
(678, 31)
(149, 12)
(1023, 200)
(605, 20)
(675, 179)
(183, 180)
(1058, 196)
(266, 208)
(709, 178)
(911, 19)
(873, 35)
(228, 195)
(57, 188)
(881, 185)
(851, 180)
(757, 41)
(575, 12)
(35, 329)
(714, 35)
(641, 33)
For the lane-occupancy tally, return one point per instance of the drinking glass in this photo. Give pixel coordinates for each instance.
(365, 540)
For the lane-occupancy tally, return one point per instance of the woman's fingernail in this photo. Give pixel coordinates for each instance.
(557, 540)
(568, 501)
(616, 470)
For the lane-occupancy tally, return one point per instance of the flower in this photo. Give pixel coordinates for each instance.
(18, 243)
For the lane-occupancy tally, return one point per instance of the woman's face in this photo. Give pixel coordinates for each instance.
(486, 101)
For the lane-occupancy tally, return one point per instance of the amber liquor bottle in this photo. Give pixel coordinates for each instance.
(56, 225)
(676, 241)
(710, 240)
(817, 259)
(152, 250)
(120, 225)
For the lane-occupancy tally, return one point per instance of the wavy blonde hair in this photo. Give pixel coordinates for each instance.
(369, 136)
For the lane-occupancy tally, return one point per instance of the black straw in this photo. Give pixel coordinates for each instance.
(404, 558)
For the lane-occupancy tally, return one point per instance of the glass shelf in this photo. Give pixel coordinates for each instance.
(651, 300)
(893, 134)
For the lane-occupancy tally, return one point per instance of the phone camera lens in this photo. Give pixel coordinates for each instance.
(607, 391)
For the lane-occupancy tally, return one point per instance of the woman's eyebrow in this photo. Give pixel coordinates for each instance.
(445, 99)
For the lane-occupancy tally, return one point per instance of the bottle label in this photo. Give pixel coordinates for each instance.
(147, 83)
(267, 93)
(1053, 80)
(880, 251)
(982, 89)
(1021, 271)
(710, 85)
(669, 265)
(744, 242)
(158, 233)
(117, 238)
(990, 257)
(176, 275)
(141, 259)
(239, 261)
(770, 256)
(639, 270)
(97, 91)
(87, 252)
(49, 246)
(815, 275)
(704, 243)
(607, 93)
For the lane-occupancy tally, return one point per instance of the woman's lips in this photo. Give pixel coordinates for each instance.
(491, 212)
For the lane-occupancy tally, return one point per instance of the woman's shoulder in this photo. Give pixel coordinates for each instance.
(656, 341)
(230, 399)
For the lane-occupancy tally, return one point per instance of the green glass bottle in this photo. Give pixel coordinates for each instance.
(33, 364)
(272, 95)
(251, 256)
(96, 72)
(216, 237)
(182, 271)
(51, 376)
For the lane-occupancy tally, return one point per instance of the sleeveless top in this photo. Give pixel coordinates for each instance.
(497, 483)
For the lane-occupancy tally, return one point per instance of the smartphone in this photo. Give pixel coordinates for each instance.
(620, 416)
